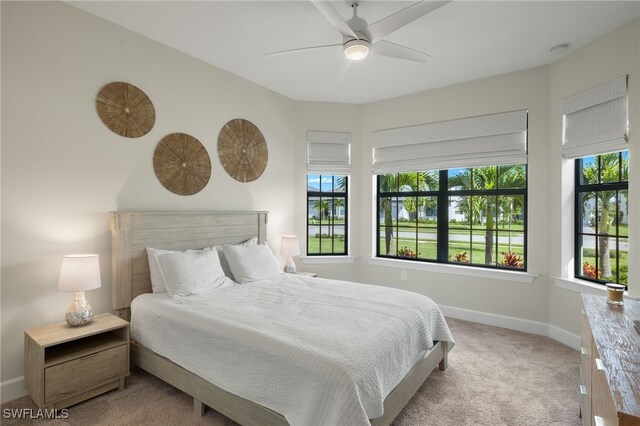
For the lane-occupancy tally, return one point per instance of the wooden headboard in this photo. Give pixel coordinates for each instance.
(133, 232)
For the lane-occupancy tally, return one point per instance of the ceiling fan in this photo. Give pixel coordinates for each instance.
(359, 38)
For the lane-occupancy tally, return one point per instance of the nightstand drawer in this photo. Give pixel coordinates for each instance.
(80, 374)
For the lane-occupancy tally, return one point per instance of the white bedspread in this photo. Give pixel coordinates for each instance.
(317, 351)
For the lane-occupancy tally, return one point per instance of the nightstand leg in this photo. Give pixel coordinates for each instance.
(121, 385)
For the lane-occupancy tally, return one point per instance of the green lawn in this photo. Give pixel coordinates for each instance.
(428, 249)
(457, 229)
(338, 245)
(326, 222)
(624, 230)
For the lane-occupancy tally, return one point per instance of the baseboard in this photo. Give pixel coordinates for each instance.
(563, 336)
(12, 389)
(519, 324)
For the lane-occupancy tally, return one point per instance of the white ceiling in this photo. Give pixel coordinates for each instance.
(467, 40)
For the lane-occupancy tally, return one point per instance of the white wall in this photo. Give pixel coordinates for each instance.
(63, 170)
(609, 57)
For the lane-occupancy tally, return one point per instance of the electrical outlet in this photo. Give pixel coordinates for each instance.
(403, 275)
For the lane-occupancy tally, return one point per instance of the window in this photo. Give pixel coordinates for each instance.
(470, 216)
(454, 191)
(602, 219)
(595, 134)
(328, 167)
(327, 197)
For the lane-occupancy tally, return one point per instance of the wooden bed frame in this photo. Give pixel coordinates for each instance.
(132, 232)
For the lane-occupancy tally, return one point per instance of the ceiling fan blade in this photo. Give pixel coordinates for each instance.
(334, 17)
(300, 49)
(386, 48)
(344, 69)
(385, 26)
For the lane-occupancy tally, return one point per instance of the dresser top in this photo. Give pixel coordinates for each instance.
(618, 343)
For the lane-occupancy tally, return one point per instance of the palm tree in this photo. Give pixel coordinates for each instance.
(412, 204)
(606, 201)
(489, 178)
(322, 206)
(394, 182)
(471, 208)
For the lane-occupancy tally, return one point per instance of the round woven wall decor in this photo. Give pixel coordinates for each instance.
(125, 109)
(242, 150)
(182, 164)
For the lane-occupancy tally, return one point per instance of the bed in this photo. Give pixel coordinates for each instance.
(132, 232)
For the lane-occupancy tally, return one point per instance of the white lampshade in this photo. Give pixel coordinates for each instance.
(290, 245)
(79, 272)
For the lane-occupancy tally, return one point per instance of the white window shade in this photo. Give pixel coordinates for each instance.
(497, 139)
(329, 152)
(596, 121)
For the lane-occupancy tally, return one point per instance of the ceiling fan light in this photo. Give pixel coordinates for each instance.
(356, 50)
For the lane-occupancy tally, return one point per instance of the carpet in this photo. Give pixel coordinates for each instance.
(495, 377)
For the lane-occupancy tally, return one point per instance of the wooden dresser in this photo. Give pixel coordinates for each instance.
(610, 367)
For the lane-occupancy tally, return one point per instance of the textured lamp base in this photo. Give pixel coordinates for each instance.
(290, 267)
(80, 312)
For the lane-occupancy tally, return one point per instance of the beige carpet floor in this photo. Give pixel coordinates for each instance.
(495, 377)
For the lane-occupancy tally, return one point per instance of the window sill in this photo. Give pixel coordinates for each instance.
(469, 271)
(325, 260)
(580, 286)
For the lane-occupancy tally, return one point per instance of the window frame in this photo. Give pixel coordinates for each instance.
(443, 194)
(333, 195)
(581, 188)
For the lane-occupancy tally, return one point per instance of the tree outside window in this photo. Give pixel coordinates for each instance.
(602, 245)
(472, 216)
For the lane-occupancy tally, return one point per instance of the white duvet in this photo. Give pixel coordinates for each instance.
(317, 351)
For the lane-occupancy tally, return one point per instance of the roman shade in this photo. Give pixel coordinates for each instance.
(596, 121)
(329, 152)
(489, 140)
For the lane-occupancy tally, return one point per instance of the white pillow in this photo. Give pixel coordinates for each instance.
(157, 279)
(192, 272)
(223, 259)
(252, 263)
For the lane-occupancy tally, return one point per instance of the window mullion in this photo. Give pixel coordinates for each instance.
(442, 239)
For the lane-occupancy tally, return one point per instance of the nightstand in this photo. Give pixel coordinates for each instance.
(66, 365)
(307, 274)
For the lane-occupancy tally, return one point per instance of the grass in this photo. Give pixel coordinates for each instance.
(326, 221)
(624, 230)
(428, 249)
(456, 228)
(327, 247)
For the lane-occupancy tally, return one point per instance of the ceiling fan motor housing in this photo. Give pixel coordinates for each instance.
(355, 49)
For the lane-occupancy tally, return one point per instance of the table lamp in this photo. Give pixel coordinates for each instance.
(290, 246)
(79, 272)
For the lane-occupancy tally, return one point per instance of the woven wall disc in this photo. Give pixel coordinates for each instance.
(242, 150)
(125, 109)
(182, 164)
